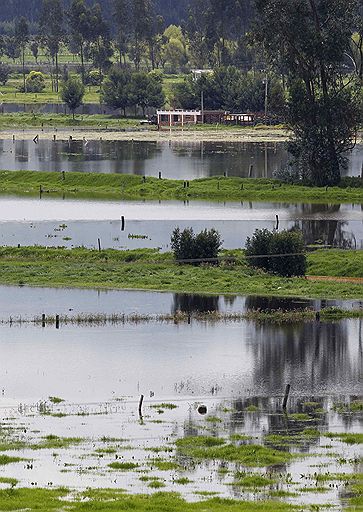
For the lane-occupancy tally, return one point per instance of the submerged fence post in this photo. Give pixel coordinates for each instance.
(286, 396)
(140, 405)
(159, 175)
(43, 320)
(277, 222)
(122, 223)
(57, 322)
(250, 171)
(99, 244)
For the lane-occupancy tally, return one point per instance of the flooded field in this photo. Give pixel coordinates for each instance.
(212, 422)
(70, 408)
(72, 223)
(178, 160)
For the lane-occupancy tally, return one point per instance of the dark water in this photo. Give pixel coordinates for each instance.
(149, 224)
(180, 160)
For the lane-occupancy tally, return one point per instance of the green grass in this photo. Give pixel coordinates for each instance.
(164, 465)
(150, 270)
(130, 186)
(39, 120)
(253, 481)
(55, 400)
(164, 406)
(114, 500)
(123, 466)
(251, 455)
(10, 481)
(6, 459)
(346, 437)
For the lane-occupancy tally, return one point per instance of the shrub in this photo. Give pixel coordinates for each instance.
(4, 73)
(35, 82)
(273, 244)
(187, 246)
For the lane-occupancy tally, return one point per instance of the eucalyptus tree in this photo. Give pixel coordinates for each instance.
(122, 15)
(52, 31)
(22, 38)
(307, 41)
(80, 29)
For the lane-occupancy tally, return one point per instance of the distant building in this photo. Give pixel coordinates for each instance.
(239, 119)
(178, 117)
(181, 117)
(197, 73)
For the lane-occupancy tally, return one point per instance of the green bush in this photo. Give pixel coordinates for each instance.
(35, 82)
(187, 246)
(267, 249)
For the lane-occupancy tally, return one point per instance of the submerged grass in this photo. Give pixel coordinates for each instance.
(116, 186)
(349, 438)
(251, 455)
(151, 270)
(103, 500)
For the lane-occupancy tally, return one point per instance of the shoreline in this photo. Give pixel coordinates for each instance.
(207, 135)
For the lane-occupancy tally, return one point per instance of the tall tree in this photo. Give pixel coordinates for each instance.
(122, 15)
(80, 28)
(307, 41)
(21, 38)
(52, 31)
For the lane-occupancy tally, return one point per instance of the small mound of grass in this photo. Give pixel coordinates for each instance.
(164, 406)
(183, 481)
(347, 438)
(6, 459)
(54, 442)
(156, 484)
(164, 465)
(123, 466)
(252, 481)
(250, 455)
(55, 400)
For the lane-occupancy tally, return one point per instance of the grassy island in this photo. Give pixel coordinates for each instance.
(128, 186)
(150, 270)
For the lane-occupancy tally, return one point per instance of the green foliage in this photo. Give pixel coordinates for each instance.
(72, 93)
(187, 246)
(124, 89)
(265, 248)
(307, 42)
(35, 82)
(229, 88)
(4, 73)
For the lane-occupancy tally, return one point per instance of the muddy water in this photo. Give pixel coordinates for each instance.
(72, 223)
(180, 160)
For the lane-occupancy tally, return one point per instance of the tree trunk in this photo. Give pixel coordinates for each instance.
(56, 73)
(82, 63)
(23, 58)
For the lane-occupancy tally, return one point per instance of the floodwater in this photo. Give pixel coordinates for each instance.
(177, 160)
(100, 372)
(27, 303)
(71, 223)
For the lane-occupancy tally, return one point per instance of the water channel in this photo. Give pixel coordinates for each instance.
(177, 160)
(71, 223)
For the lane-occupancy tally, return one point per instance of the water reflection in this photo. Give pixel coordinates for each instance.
(27, 303)
(182, 160)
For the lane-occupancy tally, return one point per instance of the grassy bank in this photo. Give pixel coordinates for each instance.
(149, 270)
(125, 186)
(27, 120)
